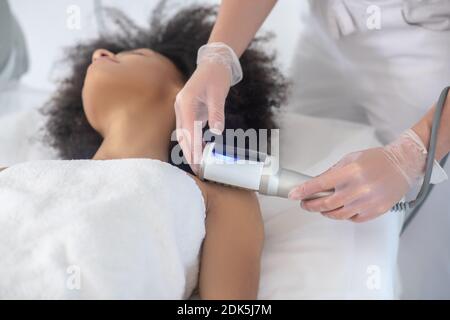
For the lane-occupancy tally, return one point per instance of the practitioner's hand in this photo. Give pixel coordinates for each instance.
(367, 183)
(203, 98)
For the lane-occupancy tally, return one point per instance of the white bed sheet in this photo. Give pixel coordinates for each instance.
(21, 124)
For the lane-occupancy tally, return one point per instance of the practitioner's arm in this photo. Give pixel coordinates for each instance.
(203, 96)
(423, 130)
(231, 255)
(238, 21)
(368, 183)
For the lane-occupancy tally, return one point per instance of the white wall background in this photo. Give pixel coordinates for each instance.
(45, 26)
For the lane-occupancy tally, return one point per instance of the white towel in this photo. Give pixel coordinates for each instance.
(116, 229)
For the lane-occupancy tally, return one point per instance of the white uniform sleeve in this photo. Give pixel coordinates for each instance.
(430, 14)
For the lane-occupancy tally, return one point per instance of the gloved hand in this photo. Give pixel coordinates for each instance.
(367, 183)
(203, 98)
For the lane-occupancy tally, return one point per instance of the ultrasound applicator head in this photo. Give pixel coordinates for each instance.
(250, 170)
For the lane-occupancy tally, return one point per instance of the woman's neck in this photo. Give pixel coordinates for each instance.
(136, 136)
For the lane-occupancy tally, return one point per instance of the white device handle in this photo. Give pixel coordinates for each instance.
(253, 174)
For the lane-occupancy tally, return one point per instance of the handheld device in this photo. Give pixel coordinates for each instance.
(250, 170)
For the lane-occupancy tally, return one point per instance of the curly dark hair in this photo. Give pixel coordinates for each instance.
(250, 104)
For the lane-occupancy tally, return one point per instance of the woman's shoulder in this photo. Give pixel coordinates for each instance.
(223, 197)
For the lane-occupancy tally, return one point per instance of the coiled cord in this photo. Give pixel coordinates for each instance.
(402, 206)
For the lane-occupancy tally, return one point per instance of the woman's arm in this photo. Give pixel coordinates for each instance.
(231, 255)
(238, 22)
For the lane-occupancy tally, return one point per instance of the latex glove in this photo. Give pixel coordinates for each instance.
(203, 97)
(367, 183)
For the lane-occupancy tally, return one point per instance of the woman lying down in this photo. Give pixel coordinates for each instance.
(100, 227)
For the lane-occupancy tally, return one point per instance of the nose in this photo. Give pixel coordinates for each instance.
(99, 53)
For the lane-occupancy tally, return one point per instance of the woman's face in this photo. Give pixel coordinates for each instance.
(126, 80)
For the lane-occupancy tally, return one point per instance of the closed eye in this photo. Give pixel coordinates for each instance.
(137, 53)
(142, 52)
